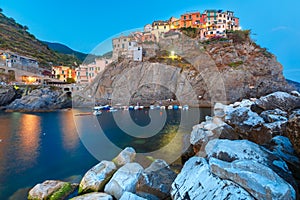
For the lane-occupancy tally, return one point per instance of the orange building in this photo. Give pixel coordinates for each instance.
(64, 73)
(192, 19)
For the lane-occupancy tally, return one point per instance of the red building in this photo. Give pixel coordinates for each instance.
(192, 19)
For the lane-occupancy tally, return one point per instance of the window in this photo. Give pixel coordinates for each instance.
(190, 16)
(124, 40)
(165, 27)
(211, 32)
(123, 46)
(224, 21)
(184, 17)
(220, 15)
(197, 16)
(129, 43)
(219, 20)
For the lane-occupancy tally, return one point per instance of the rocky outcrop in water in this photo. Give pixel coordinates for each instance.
(42, 99)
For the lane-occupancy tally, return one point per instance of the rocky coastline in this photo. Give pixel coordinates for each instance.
(34, 99)
(247, 150)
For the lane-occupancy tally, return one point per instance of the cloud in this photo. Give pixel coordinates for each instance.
(279, 28)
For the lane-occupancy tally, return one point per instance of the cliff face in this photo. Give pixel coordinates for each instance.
(199, 74)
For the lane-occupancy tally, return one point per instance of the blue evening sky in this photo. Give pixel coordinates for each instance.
(83, 25)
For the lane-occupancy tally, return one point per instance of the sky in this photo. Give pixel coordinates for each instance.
(84, 25)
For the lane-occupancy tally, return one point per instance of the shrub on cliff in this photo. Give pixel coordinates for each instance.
(239, 36)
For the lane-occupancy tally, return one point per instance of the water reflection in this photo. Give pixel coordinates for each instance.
(29, 139)
(70, 136)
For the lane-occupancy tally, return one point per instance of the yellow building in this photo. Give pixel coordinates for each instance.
(64, 73)
(159, 27)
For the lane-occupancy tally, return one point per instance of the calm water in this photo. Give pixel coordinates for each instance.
(42, 146)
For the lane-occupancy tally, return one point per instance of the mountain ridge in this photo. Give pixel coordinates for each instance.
(16, 38)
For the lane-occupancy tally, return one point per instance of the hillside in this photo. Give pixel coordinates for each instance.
(61, 48)
(16, 38)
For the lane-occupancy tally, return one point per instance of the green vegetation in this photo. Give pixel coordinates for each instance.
(191, 32)
(165, 57)
(64, 191)
(71, 80)
(239, 36)
(236, 64)
(16, 38)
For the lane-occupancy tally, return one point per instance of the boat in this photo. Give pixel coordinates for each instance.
(131, 108)
(97, 112)
(185, 107)
(170, 107)
(180, 107)
(98, 107)
(152, 107)
(175, 107)
(163, 107)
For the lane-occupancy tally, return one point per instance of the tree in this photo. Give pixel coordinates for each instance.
(25, 28)
(71, 80)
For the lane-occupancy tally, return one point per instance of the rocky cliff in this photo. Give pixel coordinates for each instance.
(199, 73)
(41, 99)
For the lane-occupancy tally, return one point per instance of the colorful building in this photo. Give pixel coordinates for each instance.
(159, 28)
(87, 73)
(64, 73)
(174, 23)
(192, 19)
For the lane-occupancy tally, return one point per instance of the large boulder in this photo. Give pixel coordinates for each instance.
(280, 100)
(156, 180)
(248, 124)
(212, 128)
(260, 181)
(7, 95)
(51, 190)
(93, 196)
(293, 130)
(196, 181)
(130, 196)
(96, 178)
(125, 179)
(230, 151)
(126, 156)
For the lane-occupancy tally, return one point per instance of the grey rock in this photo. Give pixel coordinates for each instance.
(156, 180)
(96, 178)
(130, 196)
(126, 156)
(293, 130)
(196, 181)
(94, 196)
(125, 179)
(260, 181)
(230, 151)
(41, 99)
(51, 188)
(7, 95)
(277, 100)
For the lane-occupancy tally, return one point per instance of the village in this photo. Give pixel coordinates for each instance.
(209, 24)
